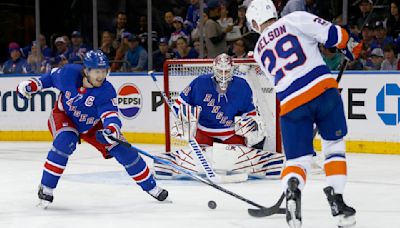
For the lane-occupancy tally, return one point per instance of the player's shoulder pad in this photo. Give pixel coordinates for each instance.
(69, 75)
(105, 93)
(240, 80)
(202, 79)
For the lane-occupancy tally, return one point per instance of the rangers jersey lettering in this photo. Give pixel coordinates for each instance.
(218, 110)
(84, 106)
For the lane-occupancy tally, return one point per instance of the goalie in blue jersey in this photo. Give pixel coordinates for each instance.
(218, 109)
(86, 108)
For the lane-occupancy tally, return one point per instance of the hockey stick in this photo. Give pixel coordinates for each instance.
(270, 210)
(194, 145)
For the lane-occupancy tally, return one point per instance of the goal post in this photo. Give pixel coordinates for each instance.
(178, 73)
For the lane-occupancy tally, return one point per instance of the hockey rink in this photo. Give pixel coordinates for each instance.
(94, 192)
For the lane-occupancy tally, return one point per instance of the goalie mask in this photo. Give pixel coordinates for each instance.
(223, 70)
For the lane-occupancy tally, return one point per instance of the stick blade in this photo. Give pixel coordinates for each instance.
(264, 212)
(268, 211)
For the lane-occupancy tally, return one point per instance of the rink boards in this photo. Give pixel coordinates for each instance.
(371, 100)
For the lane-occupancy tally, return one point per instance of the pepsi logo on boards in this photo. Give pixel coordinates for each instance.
(129, 100)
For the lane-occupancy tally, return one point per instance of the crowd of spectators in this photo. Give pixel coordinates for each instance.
(225, 29)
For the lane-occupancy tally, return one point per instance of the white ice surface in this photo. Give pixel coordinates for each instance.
(94, 192)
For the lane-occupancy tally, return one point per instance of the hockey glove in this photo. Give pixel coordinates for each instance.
(103, 135)
(353, 47)
(25, 89)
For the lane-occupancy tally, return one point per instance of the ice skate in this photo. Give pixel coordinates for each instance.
(344, 215)
(293, 203)
(45, 197)
(158, 193)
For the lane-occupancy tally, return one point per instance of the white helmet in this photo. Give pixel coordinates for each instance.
(260, 11)
(223, 70)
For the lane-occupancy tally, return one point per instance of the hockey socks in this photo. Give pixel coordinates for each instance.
(63, 146)
(135, 166)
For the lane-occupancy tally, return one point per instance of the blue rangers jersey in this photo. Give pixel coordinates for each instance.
(84, 106)
(218, 110)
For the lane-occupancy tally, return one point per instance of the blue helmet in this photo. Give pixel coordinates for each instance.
(95, 59)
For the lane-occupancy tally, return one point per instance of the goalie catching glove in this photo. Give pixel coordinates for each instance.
(25, 89)
(252, 128)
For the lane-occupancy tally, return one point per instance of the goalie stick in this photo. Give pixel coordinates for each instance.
(194, 145)
(274, 209)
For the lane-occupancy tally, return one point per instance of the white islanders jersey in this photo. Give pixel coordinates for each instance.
(288, 51)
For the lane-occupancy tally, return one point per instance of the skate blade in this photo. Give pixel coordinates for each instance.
(43, 204)
(345, 222)
(294, 222)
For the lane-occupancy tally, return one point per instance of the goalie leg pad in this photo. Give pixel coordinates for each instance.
(182, 158)
(254, 162)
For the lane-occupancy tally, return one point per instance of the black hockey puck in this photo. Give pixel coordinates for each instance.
(212, 204)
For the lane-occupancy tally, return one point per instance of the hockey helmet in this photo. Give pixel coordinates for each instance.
(95, 59)
(260, 11)
(223, 70)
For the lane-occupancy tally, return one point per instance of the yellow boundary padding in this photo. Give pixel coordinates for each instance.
(158, 138)
(145, 138)
(367, 147)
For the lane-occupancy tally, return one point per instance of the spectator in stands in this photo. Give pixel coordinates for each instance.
(214, 34)
(62, 52)
(37, 63)
(224, 20)
(67, 41)
(331, 57)
(121, 53)
(241, 20)
(46, 50)
(193, 13)
(183, 50)
(163, 53)
(368, 35)
(364, 57)
(197, 48)
(78, 48)
(375, 61)
(168, 26)
(142, 34)
(136, 55)
(239, 49)
(390, 61)
(299, 5)
(16, 64)
(120, 27)
(179, 32)
(393, 22)
(366, 7)
(107, 45)
(381, 39)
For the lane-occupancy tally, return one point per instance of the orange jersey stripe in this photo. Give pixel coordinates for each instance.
(345, 38)
(294, 169)
(308, 95)
(335, 168)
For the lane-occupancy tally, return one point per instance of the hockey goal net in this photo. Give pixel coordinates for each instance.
(179, 73)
